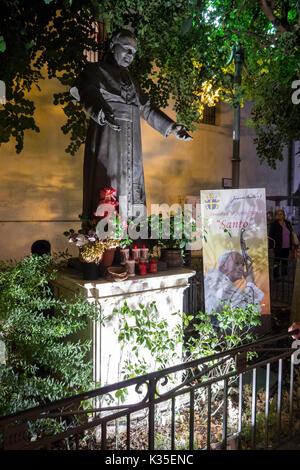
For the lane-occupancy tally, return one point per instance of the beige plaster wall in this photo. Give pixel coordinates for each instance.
(175, 168)
(41, 188)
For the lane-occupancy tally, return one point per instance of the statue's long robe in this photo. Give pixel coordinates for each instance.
(114, 158)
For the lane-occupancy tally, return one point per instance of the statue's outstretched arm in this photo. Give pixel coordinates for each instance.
(159, 120)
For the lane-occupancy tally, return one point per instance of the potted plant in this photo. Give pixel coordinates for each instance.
(98, 238)
(174, 232)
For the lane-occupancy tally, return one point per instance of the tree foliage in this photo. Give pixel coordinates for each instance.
(181, 45)
(269, 32)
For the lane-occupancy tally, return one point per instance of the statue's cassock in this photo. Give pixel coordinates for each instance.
(114, 158)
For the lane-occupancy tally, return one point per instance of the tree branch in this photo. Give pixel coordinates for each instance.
(255, 16)
(267, 9)
(258, 36)
(285, 10)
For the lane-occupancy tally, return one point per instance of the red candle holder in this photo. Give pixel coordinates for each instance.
(153, 266)
(142, 268)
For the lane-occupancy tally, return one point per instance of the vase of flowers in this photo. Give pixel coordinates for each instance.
(91, 250)
(110, 226)
(98, 238)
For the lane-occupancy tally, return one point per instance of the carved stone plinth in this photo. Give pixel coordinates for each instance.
(166, 288)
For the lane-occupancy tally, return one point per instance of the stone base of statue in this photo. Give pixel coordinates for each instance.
(166, 288)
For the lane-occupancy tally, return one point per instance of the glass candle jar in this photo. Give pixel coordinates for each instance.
(144, 252)
(130, 266)
(124, 252)
(136, 253)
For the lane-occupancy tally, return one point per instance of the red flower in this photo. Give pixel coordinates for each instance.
(107, 193)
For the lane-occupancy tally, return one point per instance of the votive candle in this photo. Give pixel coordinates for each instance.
(130, 266)
(144, 252)
(136, 253)
(124, 255)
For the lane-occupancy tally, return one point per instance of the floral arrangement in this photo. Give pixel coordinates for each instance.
(92, 244)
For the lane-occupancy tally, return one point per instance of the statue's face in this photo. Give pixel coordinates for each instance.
(124, 54)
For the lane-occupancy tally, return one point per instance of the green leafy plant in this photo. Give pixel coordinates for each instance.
(147, 342)
(235, 328)
(172, 231)
(150, 344)
(44, 360)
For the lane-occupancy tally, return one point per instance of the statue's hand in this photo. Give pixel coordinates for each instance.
(180, 132)
(109, 119)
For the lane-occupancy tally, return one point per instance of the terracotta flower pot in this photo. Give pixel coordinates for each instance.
(108, 257)
(173, 258)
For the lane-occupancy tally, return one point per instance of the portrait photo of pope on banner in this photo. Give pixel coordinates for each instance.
(235, 249)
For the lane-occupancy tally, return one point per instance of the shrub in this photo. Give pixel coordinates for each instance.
(235, 327)
(151, 344)
(42, 361)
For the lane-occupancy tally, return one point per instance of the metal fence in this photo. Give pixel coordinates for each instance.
(193, 299)
(282, 276)
(228, 400)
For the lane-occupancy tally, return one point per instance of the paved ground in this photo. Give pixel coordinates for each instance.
(292, 444)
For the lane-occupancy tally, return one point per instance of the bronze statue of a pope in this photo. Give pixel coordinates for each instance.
(113, 150)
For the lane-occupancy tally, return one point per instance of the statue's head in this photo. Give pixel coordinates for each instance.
(123, 47)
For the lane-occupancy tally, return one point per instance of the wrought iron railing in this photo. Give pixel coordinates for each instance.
(222, 392)
(193, 299)
(282, 276)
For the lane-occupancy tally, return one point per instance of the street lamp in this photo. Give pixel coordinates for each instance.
(237, 55)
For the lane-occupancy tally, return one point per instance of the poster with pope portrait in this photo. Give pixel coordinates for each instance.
(235, 249)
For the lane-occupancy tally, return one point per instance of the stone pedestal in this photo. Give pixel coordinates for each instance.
(166, 288)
